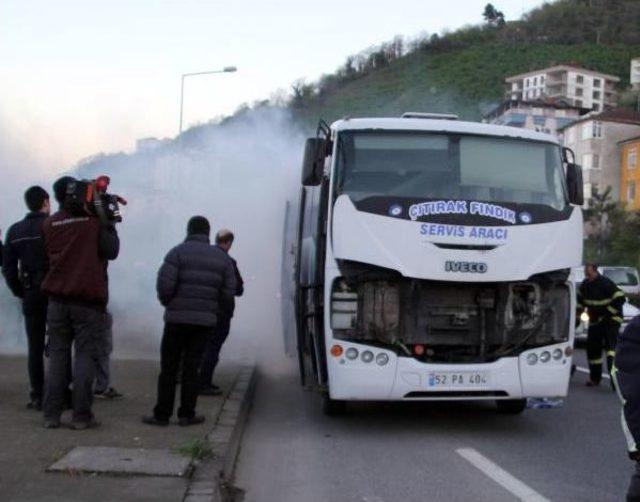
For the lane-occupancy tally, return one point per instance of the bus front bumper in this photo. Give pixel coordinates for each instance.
(405, 378)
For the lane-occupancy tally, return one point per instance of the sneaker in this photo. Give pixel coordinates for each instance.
(35, 404)
(212, 390)
(110, 393)
(52, 423)
(195, 420)
(591, 383)
(82, 425)
(152, 420)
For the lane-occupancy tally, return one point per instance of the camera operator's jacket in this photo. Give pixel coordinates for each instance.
(194, 280)
(78, 248)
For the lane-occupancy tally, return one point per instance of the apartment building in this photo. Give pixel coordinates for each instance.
(542, 115)
(579, 87)
(595, 140)
(635, 73)
(630, 173)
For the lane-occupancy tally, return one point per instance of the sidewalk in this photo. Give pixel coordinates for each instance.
(27, 449)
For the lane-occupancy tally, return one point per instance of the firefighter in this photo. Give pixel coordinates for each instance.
(603, 301)
(626, 378)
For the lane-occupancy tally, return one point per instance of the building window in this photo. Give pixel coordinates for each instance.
(597, 129)
(596, 95)
(579, 92)
(595, 162)
(597, 83)
(592, 130)
(579, 79)
(631, 191)
(578, 103)
(596, 107)
(535, 81)
(542, 80)
(632, 158)
(526, 83)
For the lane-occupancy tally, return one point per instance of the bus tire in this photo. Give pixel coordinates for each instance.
(511, 406)
(333, 407)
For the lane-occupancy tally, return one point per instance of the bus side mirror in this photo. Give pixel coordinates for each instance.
(574, 184)
(313, 162)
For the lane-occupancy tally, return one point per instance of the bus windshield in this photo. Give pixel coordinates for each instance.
(447, 166)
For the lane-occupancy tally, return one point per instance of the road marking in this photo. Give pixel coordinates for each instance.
(500, 476)
(586, 371)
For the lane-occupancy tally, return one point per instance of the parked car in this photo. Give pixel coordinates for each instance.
(629, 311)
(625, 277)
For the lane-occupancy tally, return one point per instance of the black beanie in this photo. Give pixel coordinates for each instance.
(60, 188)
(198, 225)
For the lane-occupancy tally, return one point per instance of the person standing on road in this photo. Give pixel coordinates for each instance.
(626, 379)
(193, 281)
(78, 247)
(224, 241)
(103, 389)
(603, 301)
(24, 265)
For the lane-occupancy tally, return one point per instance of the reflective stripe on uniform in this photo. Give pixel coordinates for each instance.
(617, 294)
(617, 319)
(631, 442)
(613, 310)
(606, 301)
(595, 361)
(611, 353)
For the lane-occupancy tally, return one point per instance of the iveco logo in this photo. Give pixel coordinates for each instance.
(465, 266)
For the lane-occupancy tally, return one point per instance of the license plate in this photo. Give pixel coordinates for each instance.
(458, 379)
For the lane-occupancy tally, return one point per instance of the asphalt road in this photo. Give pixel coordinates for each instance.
(429, 451)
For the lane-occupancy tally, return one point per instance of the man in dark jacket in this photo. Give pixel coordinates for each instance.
(78, 247)
(604, 302)
(626, 378)
(193, 281)
(24, 265)
(211, 356)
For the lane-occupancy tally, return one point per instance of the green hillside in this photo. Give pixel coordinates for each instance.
(464, 72)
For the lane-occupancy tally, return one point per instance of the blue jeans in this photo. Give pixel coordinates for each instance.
(211, 354)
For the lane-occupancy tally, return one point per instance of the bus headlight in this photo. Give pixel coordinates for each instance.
(367, 356)
(351, 353)
(557, 354)
(532, 358)
(382, 359)
(545, 357)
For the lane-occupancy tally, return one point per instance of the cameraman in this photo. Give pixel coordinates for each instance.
(78, 246)
(24, 267)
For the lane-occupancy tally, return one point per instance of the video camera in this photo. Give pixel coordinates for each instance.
(90, 197)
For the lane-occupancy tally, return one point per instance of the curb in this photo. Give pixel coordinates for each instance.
(210, 480)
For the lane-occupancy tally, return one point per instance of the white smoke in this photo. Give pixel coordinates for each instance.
(239, 175)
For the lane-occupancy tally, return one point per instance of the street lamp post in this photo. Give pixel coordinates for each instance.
(226, 69)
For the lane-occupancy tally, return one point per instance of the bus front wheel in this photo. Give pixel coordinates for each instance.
(511, 406)
(333, 407)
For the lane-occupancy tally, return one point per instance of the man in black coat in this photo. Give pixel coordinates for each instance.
(626, 379)
(224, 241)
(24, 265)
(193, 281)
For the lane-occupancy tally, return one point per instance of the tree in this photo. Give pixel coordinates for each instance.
(600, 214)
(493, 17)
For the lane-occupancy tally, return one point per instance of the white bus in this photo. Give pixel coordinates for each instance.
(433, 259)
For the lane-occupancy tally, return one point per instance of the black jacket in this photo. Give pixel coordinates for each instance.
(24, 262)
(229, 309)
(603, 299)
(193, 281)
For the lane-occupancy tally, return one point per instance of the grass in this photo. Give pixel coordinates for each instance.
(196, 449)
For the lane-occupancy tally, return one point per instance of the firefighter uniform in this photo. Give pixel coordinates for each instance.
(603, 301)
(626, 379)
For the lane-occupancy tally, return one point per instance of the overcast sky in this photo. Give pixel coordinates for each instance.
(82, 76)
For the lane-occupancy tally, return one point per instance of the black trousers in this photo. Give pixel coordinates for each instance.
(181, 347)
(212, 349)
(35, 321)
(601, 337)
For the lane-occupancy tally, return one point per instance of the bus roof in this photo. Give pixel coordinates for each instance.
(439, 125)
